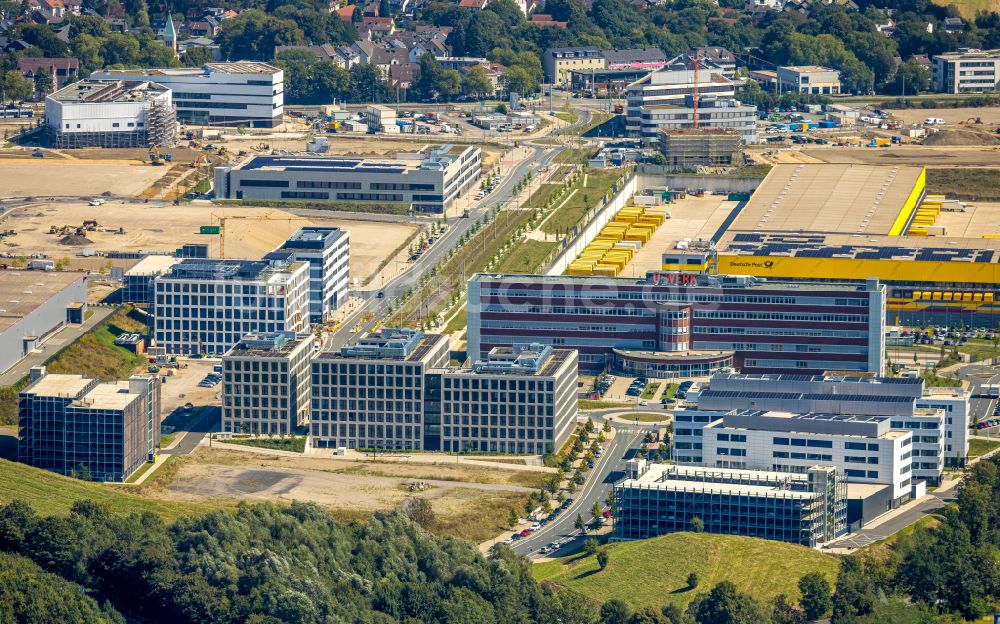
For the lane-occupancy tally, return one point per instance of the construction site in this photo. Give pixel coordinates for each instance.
(117, 233)
(688, 149)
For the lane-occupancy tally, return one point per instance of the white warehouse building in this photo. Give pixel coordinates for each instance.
(110, 113)
(244, 93)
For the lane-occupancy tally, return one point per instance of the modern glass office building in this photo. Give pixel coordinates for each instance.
(802, 508)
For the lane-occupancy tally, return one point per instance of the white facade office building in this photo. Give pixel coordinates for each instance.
(110, 113)
(246, 93)
(265, 383)
(673, 87)
(430, 180)
(966, 71)
(713, 113)
(328, 252)
(206, 306)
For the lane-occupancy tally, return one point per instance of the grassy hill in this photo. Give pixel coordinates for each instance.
(969, 8)
(50, 494)
(654, 572)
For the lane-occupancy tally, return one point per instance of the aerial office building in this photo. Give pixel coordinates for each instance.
(139, 278)
(265, 383)
(519, 399)
(807, 508)
(426, 181)
(937, 417)
(395, 390)
(966, 71)
(206, 306)
(328, 252)
(246, 93)
(371, 394)
(668, 325)
(78, 426)
(673, 87)
(713, 113)
(110, 113)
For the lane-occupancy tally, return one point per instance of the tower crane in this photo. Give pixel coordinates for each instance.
(267, 217)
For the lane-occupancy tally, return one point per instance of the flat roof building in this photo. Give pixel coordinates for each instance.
(265, 383)
(808, 508)
(753, 325)
(811, 79)
(557, 63)
(519, 399)
(713, 113)
(110, 113)
(328, 252)
(372, 395)
(78, 426)
(33, 307)
(138, 278)
(245, 93)
(672, 87)
(966, 71)
(426, 181)
(206, 306)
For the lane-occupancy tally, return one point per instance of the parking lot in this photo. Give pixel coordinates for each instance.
(643, 391)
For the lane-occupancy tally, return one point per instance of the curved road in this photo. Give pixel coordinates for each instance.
(608, 470)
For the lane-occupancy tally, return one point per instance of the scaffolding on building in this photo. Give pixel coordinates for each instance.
(690, 148)
(161, 124)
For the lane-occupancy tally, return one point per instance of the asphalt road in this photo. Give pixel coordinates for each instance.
(410, 279)
(864, 537)
(606, 472)
(205, 419)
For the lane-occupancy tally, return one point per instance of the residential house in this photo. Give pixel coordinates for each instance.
(345, 13)
(953, 24)
(403, 75)
(473, 5)
(543, 19)
(62, 70)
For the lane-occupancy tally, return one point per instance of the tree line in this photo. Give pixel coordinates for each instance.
(270, 563)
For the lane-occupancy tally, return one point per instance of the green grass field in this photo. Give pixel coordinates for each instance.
(527, 257)
(654, 572)
(295, 444)
(646, 417)
(964, 184)
(586, 198)
(95, 355)
(978, 446)
(52, 494)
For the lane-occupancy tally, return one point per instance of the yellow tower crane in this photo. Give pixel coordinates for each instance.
(268, 217)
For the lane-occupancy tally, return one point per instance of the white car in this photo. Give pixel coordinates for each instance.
(97, 202)
(643, 403)
(535, 526)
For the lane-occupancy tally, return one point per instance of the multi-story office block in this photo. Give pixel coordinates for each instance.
(371, 394)
(673, 87)
(139, 278)
(865, 448)
(807, 508)
(966, 71)
(394, 390)
(559, 62)
(808, 79)
(244, 93)
(265, 383)
(73, 425)
(519, 399)
(937, 417)
(328, 252)
(689, 325)
(712, 113)
(206, 306)
(426, 181)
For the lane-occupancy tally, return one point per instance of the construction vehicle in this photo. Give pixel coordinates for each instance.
(201, 161)
(155, 158)
(971, 121)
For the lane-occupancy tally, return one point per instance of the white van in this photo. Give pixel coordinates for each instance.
(933, 121)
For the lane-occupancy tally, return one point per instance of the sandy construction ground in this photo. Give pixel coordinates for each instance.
(988, 115)
(162, 226)
(354, 486)
(64, 177)
(900, 155)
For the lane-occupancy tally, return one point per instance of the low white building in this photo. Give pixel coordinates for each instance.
(110, 113)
